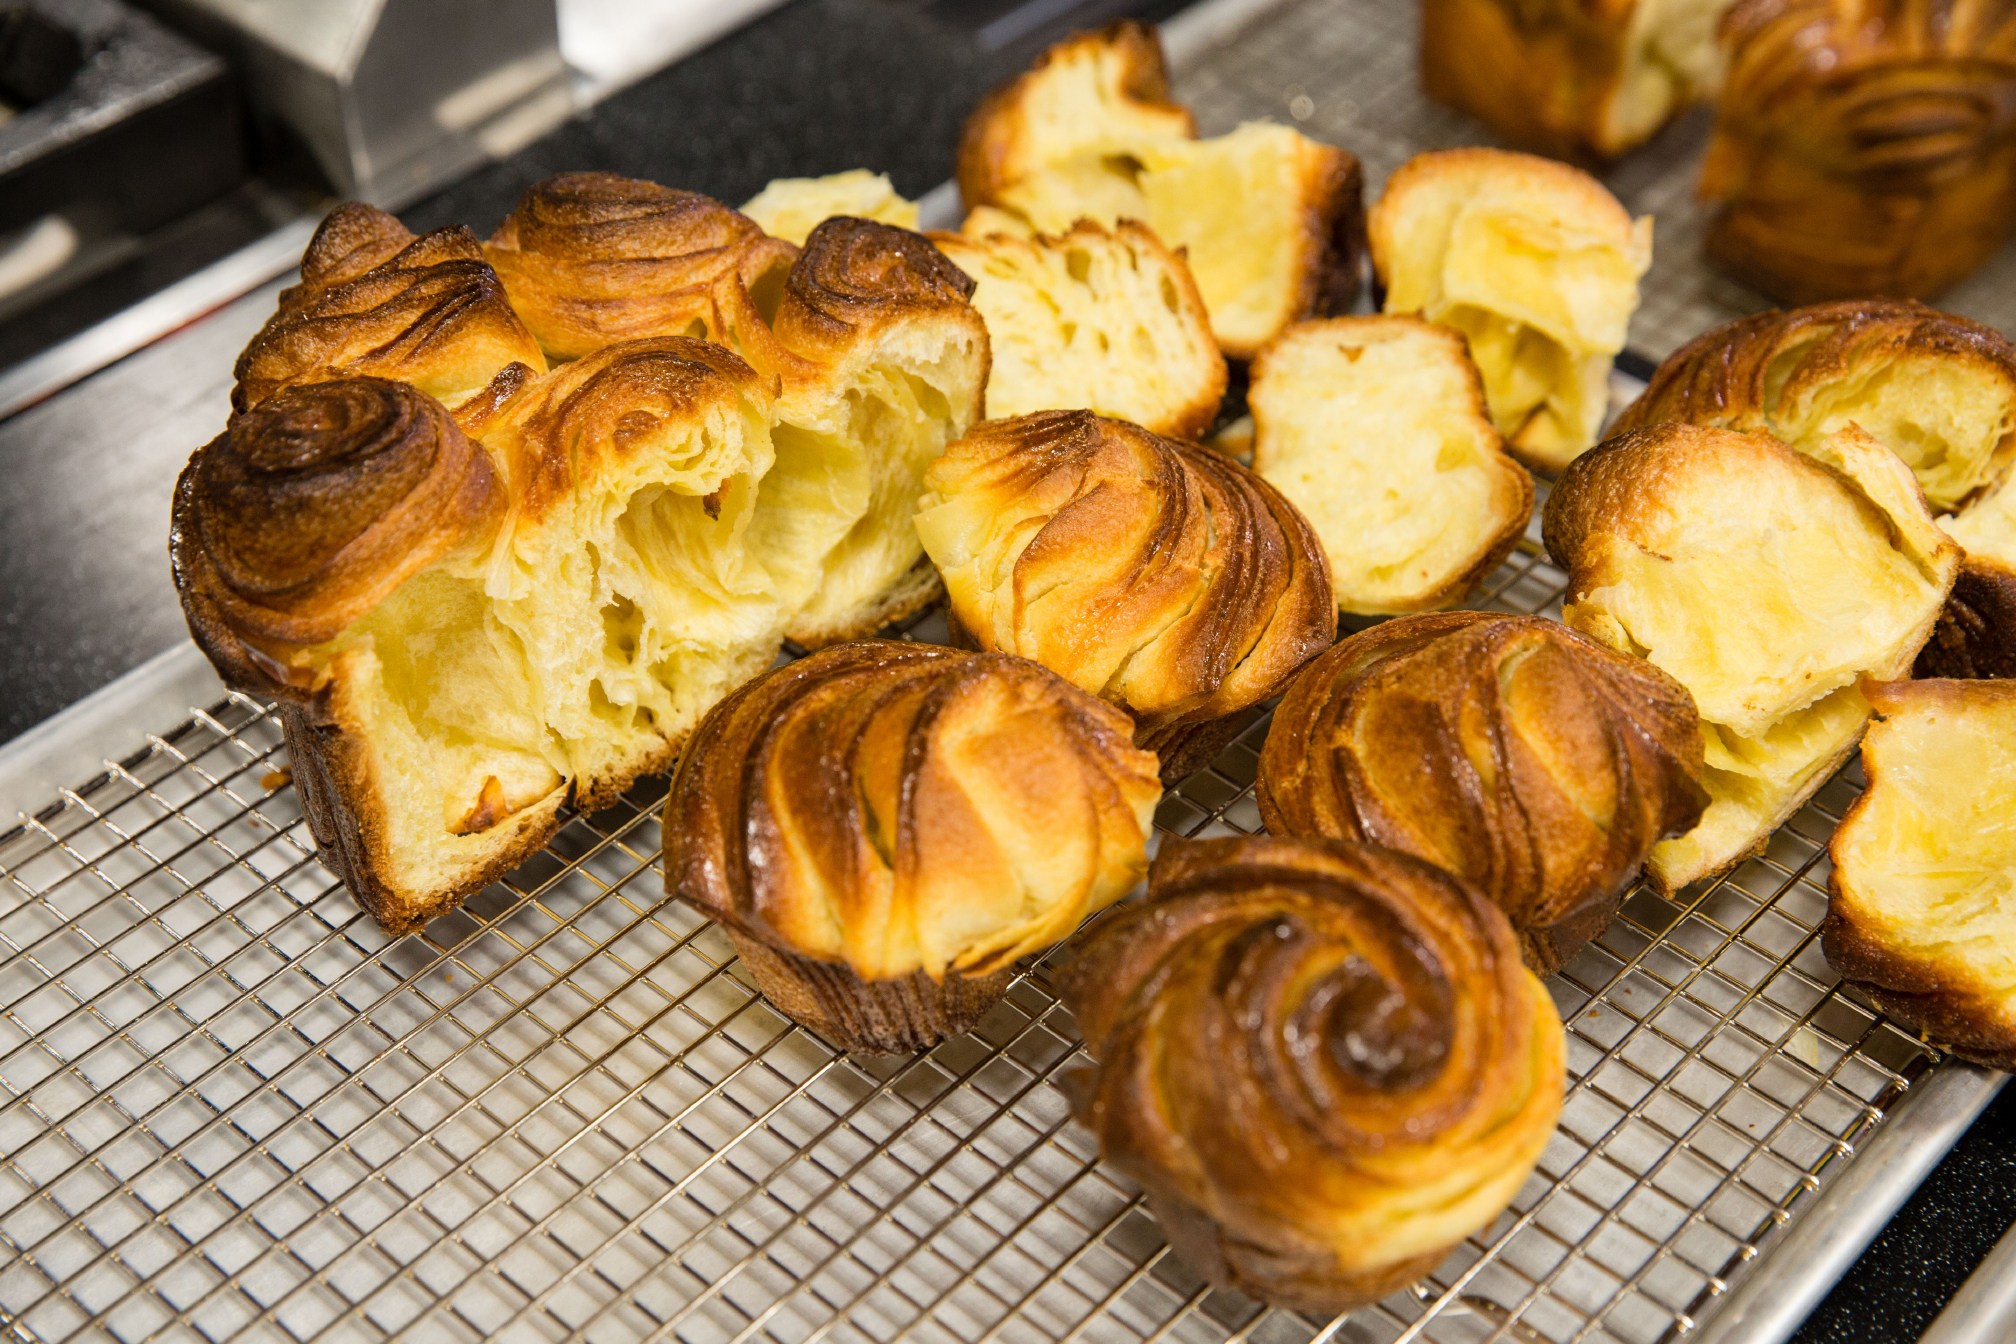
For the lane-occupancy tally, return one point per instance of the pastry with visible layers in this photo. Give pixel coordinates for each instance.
(1160, 575)
(473, 620)
(1097, 319)
(791, 207)
(1769, 583)
(1323, 1062)
(1569, 78)
(1532, 762)
(1536, 264)
(885, 828)
(1936, 389)
(1862, 147)
(374, 300)
(1921, 914)
(1376, 429)
(1270, 219)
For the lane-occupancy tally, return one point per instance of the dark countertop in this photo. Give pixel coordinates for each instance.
(818, 86)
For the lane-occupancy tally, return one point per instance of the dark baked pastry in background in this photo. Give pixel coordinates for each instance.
(1376, 429)
(884, 828)
(1323, 1062)
(1862, 147)
(470, 625)
(1535, 764)
(1272, 221)
(1095, 319)
(1769, 583)
(1537, 264)
(1921, 913)
(1158, 574)
(1583, 80)
(1935, 389)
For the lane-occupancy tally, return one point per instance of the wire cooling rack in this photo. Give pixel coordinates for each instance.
(234, 1109)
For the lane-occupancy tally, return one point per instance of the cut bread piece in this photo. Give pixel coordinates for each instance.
(1922, 900)
(1098, 319)
(1935, 389)
(1766, 581)
(1977, 631)
(1271, 220)
(1376, 429)
(1533, 261)
(791, 207)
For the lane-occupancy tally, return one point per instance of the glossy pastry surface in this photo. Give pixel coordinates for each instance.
(1324, 1063)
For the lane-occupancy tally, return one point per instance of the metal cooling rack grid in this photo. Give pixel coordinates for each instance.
(234, 1109)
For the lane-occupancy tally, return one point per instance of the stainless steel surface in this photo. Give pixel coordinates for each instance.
(1796, 1270)
(391, 96)
(1984, 1310)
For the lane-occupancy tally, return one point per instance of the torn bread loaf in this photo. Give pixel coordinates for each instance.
(1976, 636)
(1270, 219)
(791, 207)
(1536, 264)
(472, 624)
(1160, 575)
(1578, 81)
(1376, 429)
(1098, 319)
(1936, 389)
(1767, 582)
(1921, 911)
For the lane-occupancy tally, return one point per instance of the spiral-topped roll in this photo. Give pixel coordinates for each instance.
(1529, 760)
(313, 507)
(1862, 146)
(1934, 388)
(1158, 574)
(375, 300)
(593, 258)
(884, 828)
(1323, 1062)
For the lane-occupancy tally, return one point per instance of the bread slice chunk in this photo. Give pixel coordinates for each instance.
(1536, 264)
(1921, 912)
(1768, 582)
(1270, 219)
(1098, 319)
(1376, 429)
(1976, 636)
(791, 207)
(1935, 389)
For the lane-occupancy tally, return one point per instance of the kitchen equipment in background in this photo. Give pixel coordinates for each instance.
(392, 96)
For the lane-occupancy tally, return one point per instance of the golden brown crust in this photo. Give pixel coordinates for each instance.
(899, 809)
(1976, 634)
(1863, 146)
(375, 300)
(912, 1012)
(995, 146)
(1556, 77)
(1530, 761)
(1910, 956)
(309, 510)
(1158, 574)
(1324, 1063)
(1788, 374)
(590, 259)
(856, 276)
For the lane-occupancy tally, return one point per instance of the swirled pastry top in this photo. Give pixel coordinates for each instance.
(375, 300)
(311, 509)
(1936, 389)
(1533, 762)
(1323, 1061)
(901, 807)
(1158, 574)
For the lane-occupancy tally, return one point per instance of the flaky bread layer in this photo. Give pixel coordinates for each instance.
(1376, 429)
(1921, 908)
